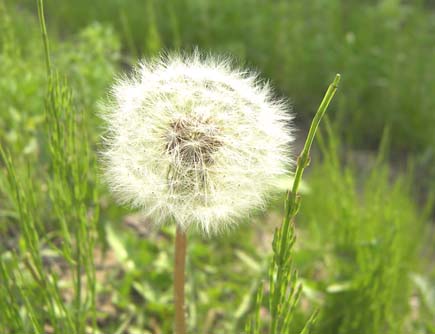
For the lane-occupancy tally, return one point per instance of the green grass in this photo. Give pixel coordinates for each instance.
(72, 261)
(385, 48)
(371, 234)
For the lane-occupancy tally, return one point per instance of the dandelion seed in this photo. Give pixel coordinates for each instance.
(191, 138)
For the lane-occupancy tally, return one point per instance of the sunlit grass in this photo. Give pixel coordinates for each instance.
(71, 261)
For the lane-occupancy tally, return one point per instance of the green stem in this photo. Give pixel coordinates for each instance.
(78, 281)
(41, 17)
(284, 235)
(304, 157)
(179, 280)
(292, 202)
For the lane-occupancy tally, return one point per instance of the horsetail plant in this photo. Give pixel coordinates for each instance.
(193, 140)
(73, 199)
(37, 300)
(284, 290)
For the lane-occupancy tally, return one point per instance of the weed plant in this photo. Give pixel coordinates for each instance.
(71, 261)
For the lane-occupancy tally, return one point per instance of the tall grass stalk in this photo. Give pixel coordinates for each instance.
(284, 290)
(284, 237)
(22, 192)
(71, 234)
(44, 34)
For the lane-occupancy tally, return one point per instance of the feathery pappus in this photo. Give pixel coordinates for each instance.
(194, 139)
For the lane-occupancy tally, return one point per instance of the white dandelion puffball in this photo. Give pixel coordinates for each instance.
(191, 138)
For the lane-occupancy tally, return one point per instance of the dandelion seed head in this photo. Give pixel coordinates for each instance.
(193, 139)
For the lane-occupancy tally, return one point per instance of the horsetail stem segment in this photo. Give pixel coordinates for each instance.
(284, 238)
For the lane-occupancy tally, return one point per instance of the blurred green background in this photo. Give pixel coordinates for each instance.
(365, 248)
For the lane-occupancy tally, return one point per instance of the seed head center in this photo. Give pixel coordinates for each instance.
(192, 143)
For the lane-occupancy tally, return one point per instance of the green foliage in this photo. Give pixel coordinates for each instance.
(72, 261)
(24, 268)
(371, 234)
(88, 60)
(384, 47)
(56, 211)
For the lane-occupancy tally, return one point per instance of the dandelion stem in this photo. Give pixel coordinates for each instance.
(180, 263)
